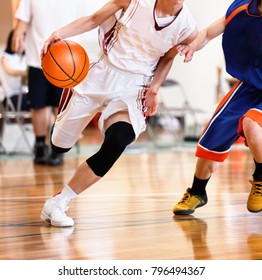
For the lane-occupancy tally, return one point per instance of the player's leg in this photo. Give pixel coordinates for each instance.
(74, 114)
(54, 97)
(253, 134)
(121, 121)
(196, 196)
(118, 134)
(37, 85)
(40, 125)
(214, 145)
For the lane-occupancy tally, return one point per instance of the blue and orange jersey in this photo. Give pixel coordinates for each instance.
(242, 42)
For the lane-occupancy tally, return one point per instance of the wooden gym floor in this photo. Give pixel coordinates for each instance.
(128, 215)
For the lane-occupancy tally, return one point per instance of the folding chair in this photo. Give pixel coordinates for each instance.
(171, 118)
(13, 116)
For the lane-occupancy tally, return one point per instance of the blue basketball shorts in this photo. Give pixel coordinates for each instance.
(225, 126)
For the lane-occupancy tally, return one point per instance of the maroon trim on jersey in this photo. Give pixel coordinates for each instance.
(107, 38)
(65, 98)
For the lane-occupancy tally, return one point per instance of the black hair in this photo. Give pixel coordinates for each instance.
(8, 48)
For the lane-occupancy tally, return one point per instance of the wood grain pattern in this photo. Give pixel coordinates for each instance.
(128, 214)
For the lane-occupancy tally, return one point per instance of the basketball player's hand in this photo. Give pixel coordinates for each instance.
(151, 103)
(187, 51)
(52, 39)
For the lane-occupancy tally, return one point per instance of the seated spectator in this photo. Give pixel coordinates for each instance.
(13, 75)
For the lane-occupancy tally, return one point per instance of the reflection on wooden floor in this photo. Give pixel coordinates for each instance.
(127, 215)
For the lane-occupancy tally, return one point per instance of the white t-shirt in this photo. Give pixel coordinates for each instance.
(12, 85)
(44, 17)
(163, 21)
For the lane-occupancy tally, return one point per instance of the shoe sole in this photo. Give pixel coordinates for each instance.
(189, 211)
(47, 220)
(184, 212)
(254, 211)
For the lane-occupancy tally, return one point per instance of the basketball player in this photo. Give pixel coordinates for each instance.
(138, 40)
(240, 111)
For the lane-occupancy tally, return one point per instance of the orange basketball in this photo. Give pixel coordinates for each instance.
(65, 64)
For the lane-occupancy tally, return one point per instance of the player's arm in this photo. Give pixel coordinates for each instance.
(203, 38)
(19, 35)
(163, 67)
(87, 23)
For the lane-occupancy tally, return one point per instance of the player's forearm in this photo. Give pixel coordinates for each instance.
(76, 27)
(200, 41)
(163, 67)
(88, 23)
(208, 34)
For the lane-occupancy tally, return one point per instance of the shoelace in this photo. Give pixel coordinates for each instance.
(256, 188)
(185, 197)
(61, 204)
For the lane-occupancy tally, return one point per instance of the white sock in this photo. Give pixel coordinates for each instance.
(67, 193)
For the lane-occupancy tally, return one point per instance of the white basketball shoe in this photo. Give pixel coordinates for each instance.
(54, 212)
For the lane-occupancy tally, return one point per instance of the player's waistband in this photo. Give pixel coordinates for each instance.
(143, 79)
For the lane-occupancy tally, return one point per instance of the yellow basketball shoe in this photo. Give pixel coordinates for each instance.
(189, 203)
(254, 203)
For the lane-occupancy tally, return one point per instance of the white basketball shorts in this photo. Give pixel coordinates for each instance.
(106, 90)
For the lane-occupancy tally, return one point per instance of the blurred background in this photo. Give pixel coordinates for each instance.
(195, 87)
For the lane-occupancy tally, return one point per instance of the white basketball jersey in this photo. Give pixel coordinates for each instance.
(134, 42)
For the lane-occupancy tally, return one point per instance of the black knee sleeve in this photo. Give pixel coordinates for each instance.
(57, 149)
(117, 137)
